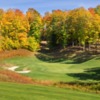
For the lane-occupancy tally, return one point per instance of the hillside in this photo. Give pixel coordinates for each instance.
(73, 69)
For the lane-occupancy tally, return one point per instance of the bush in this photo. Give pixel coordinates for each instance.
(7, 44)
(0, 45)
(33, 45)
(16, 44)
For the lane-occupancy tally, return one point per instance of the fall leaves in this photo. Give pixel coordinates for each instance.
(15, 27)
(79, 27)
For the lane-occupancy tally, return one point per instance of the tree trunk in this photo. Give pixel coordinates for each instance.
(73, 44)
(96, 47)
(89, 47)
(84, 48)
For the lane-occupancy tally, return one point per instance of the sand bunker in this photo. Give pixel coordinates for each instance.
(13, 68)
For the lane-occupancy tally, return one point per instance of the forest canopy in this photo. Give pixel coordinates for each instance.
(77, 27)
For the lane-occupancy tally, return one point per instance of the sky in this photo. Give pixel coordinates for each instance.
(43, 6)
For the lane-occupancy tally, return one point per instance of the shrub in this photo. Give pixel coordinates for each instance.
(33, 45)
(7, 44)
(16, 44)
(0, 45)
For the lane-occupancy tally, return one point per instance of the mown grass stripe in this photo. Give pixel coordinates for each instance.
(9, 91)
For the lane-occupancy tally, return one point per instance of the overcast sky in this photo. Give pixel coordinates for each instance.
(47, 5)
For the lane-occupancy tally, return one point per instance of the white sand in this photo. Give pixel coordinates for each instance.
(24, 71)
(15, 67)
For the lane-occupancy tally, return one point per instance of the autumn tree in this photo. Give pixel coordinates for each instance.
(46, 21)
(14, 24)
(56, 28)
(97, 10)
(35, 22)
(79, 25)
(36, 28)
(31, 14)
(92, 11)
(60, 28)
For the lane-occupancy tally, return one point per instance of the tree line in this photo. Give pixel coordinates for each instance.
(19, 30)
(77, 27)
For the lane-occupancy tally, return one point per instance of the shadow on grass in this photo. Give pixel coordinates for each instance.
(69, 55)
(49, 58)
(65, 58)
(89, 74)
(83, 57)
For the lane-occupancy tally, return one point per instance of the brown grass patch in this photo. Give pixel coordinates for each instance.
(10, 76)
(12, 53)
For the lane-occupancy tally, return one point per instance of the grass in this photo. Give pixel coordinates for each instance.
(79, 72)
(11, 91)
(65, 70)
(40, 69)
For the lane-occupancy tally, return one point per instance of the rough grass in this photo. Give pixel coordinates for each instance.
(12, 53)
(9, 76)
(10, 91)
